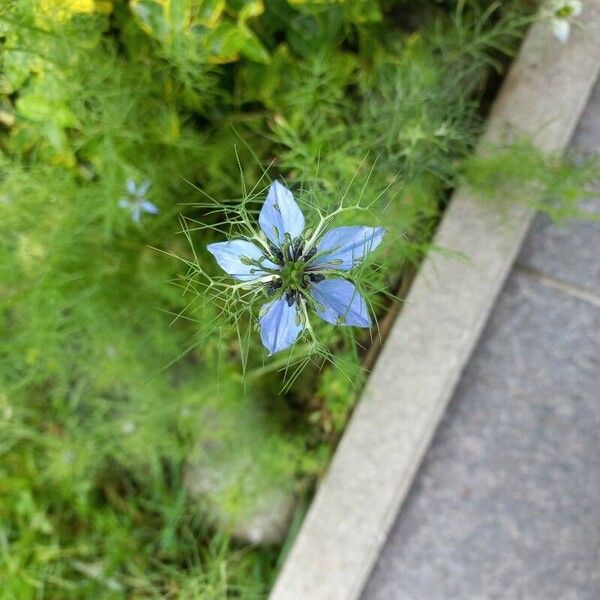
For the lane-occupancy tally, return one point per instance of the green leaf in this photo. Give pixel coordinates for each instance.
(208, 12)
(309, 35)
(150, 16)
(222, 43)
(362, 11)
(40, 108)
(251, 47)
(246, 9)
(17, 67)
(311, 7)
(228, 41)
(264, 82)
(355, 11)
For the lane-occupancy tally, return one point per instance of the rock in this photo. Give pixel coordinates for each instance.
(256, 516)
(243, 474)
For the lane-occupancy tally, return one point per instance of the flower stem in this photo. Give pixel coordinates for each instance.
(307, 321)
(319, 228)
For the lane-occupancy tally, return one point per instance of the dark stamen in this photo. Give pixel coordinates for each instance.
(273, 286)
(290, 297)
(310, 253)
(315, 277)
(276, 252)
(296, 246)
(287, 247)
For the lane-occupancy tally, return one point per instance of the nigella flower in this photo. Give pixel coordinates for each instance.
(299, 269)
(560, 13)
(136, 201)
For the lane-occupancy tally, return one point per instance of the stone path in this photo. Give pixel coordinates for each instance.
(507, 503)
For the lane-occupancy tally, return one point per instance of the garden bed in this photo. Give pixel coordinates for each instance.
(113, 380)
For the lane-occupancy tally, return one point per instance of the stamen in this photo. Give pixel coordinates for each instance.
(310, 253)
(290, 297)
(287, 247)
(273, 286)
(277, 253)
(296, 246)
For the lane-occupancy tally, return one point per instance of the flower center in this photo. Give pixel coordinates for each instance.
(292, 274)
(564, 12)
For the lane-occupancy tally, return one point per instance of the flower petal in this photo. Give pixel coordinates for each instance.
(233, 257)
(280, 325)
(343, 248)
(149, 207)
(561, 30)
(142, 188)
(280, 215)
(131, 186)
(337, 301)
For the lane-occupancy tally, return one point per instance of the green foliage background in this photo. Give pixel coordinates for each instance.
(97, 418)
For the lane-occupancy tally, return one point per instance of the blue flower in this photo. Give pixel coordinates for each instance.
(299, 268)
(136, 201)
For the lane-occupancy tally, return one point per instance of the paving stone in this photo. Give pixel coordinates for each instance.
(506, 504)
(585, 138)
(570, 252)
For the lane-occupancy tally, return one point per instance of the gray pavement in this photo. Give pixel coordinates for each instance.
(507, 503)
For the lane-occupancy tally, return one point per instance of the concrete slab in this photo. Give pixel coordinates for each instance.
(506, 503)
(585, 139)
(571, 252)
(568, 252)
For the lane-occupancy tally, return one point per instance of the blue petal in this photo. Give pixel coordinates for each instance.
(280, 325)
(149, 207)
(124, 203)
(143, 188)
(232, 256)
(343, 248)
(337, 301)
(280, 215)
(131, 186)
(136, 214)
